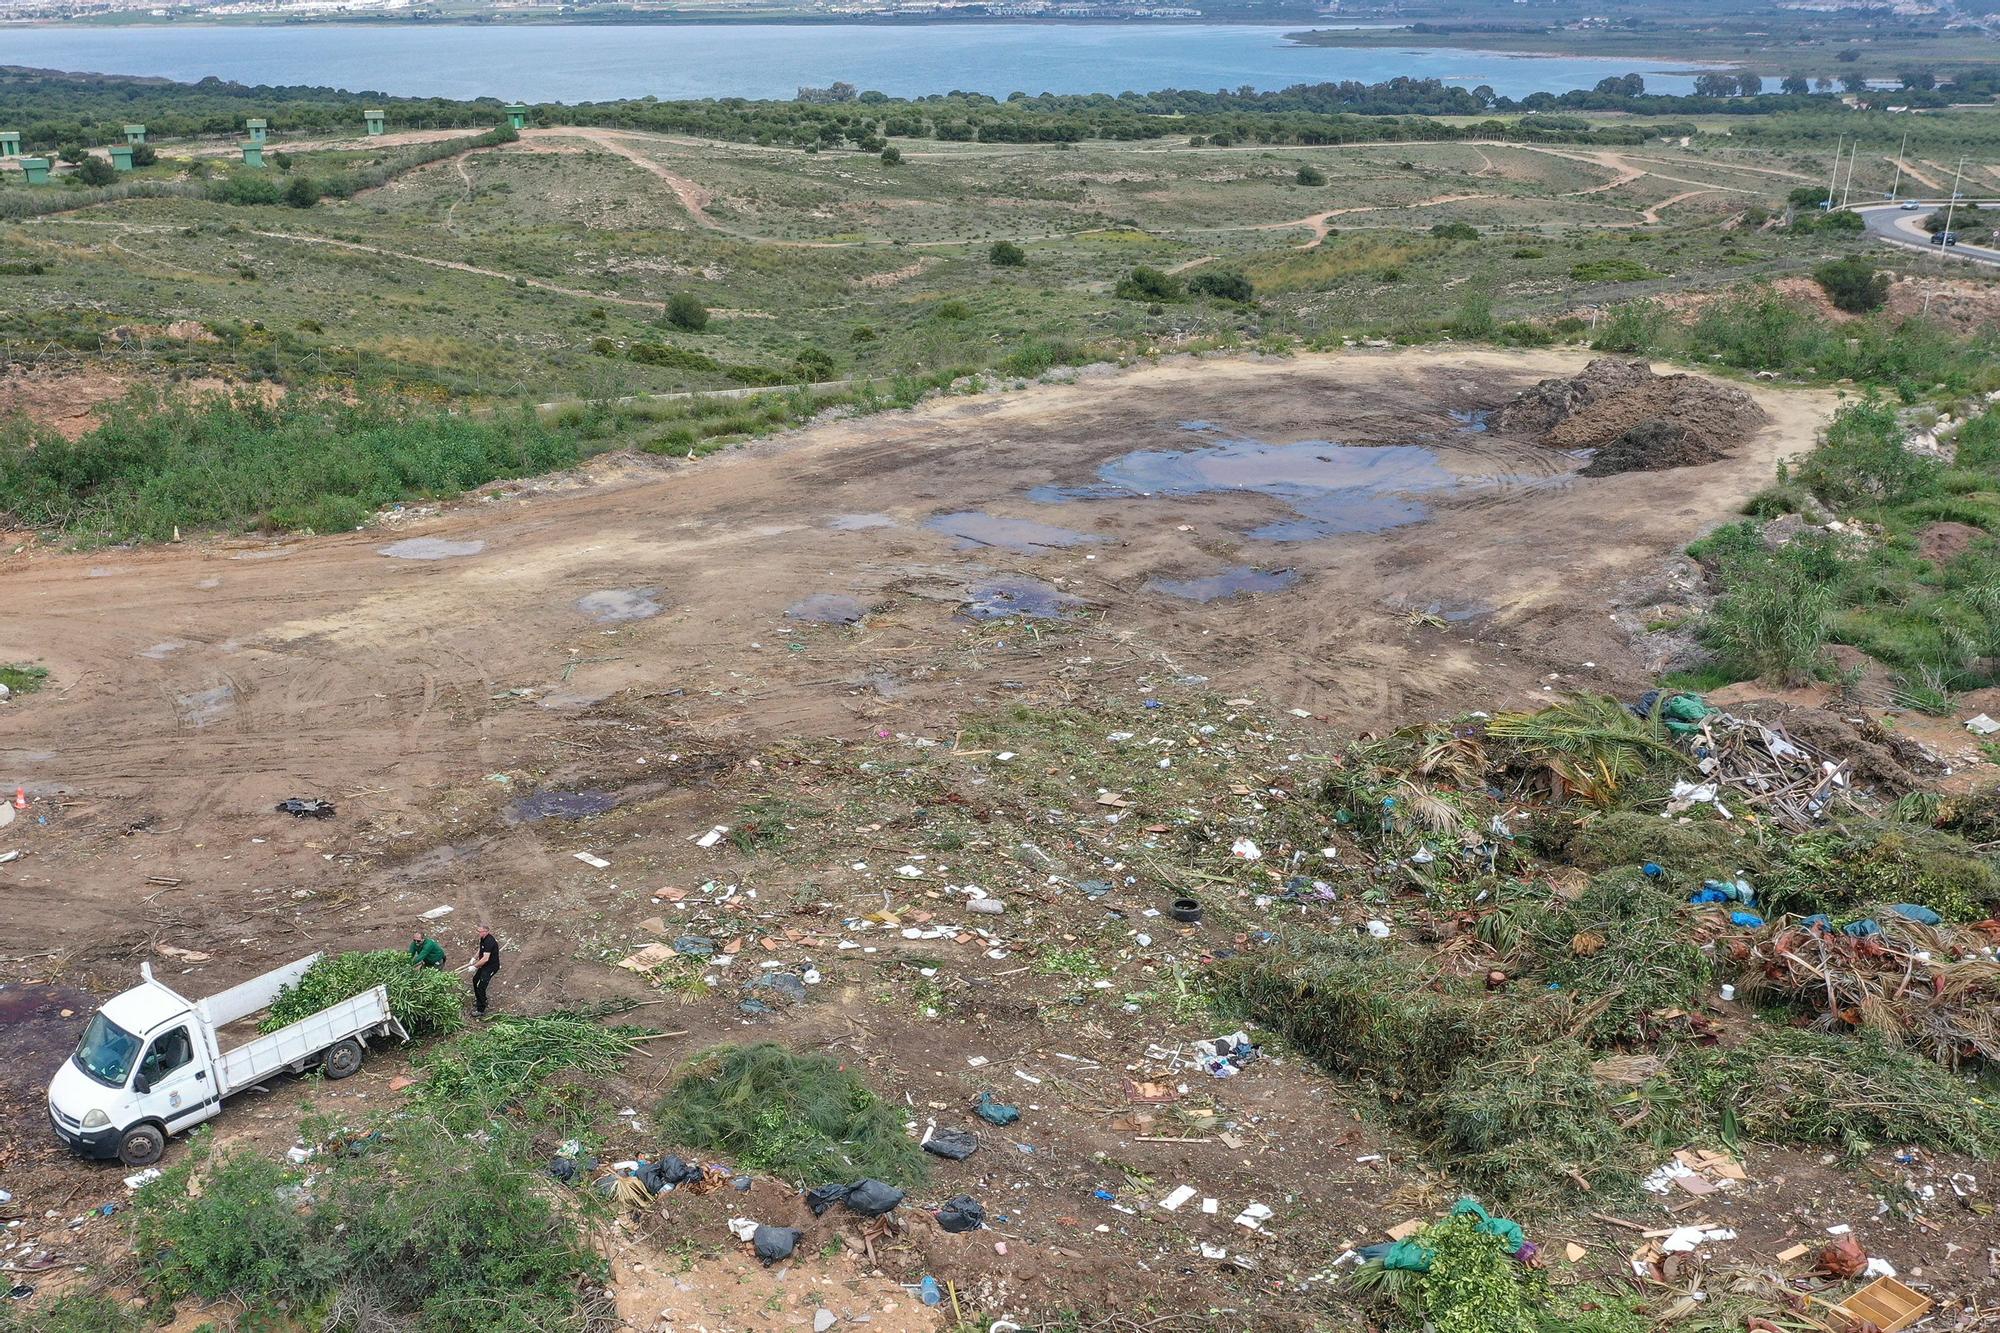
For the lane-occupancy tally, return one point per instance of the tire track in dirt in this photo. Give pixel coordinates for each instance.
(1321, 223)
(1915, 173)
(457, 266)
(1652, 214)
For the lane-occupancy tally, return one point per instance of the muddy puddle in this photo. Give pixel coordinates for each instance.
(542, 805)
(39, 1025)
(430, 548)
(613, 606)
(1016, 595)
(975, 527)
(1331, 489)
(1233, 582)
(828, 608)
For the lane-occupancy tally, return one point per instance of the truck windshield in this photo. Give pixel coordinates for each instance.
(106, 1052)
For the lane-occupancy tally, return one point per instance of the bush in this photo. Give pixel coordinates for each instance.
(1148, 284)
(1862, 460)
(144, 155)
(157, 465)
(1635, 326)
(1615, 269)
(409, 1228)
(427, 1001)
(1853, 284)
(1034, 356)
(1006, 254)
(96, 171)
(804, 1118)
(1222, 285)
(892, 156)
(1773, 618)
(1310, 175)
(301, 192)
(245, 188)
(1455, 231)
(75, 1312)
(684, 311)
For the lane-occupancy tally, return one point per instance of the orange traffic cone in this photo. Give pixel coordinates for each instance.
(20, 797)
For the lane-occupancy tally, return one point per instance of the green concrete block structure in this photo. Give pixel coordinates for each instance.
(37, 170)
(257, 129)
(374, 119)
(135, 134)
(121, 157)
(517, 116)
(253, 154)
(10, 143)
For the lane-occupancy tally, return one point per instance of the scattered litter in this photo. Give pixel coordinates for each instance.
(713, 836)
(595, 862)
(774, 1244)
(1181, 1195)
(435, 913)
(1254, 1216)
(1982, 725)
(146, 1177)
(996, 1112)
(300, 807)
(1246, 849)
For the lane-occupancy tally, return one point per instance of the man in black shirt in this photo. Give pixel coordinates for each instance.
(485, 963)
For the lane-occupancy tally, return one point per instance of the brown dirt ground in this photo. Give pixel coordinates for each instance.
(194, 685)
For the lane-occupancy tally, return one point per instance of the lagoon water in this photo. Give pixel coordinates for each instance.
(573, 63)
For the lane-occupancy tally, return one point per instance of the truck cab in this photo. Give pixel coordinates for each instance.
(142, 1071)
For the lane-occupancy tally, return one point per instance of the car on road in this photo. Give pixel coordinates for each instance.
(1912, 207)
(1945, 238)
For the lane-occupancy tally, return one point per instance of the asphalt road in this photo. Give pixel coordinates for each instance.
(1890, 223)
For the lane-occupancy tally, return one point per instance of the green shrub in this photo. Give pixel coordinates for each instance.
(892, 156)
(1635, 326)
(1853, 284)
(1310, 175)
(241, 1236)
(1034, 356)
(1861, 460)
(1223, 285)
(1006, 254)
(801, 1117)
(1455, 231)
(1774, 615)
(686, 312)
(1148, 284)
(301, 192)
(23, 679)
(427, 1001)
(411, 1227)
(96, 171)
(157, 465)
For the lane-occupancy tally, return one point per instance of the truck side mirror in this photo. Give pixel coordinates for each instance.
(141, 1084)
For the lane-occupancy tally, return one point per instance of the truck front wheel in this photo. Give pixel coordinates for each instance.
(342, 1058)
(142, 1145)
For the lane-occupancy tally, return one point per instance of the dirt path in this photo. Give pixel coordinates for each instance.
(1652, 214)
(456, 266)
(1322, 223)
(1915, 173)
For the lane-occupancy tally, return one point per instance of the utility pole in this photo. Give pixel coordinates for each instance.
(1900, 154)
(1850, 171)
(1952, 205)
(1834, 179)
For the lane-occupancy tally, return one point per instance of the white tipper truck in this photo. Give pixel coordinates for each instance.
(152, 1062)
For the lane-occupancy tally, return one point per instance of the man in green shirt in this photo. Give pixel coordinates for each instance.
(425, 951)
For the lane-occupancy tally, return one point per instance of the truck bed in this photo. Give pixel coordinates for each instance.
(258, 1059)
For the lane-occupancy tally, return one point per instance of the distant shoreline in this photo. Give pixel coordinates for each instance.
(1294, 32)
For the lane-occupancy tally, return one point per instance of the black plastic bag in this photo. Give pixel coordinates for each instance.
(826, 1196)
(872, 1198)
(961, 1212)
(563, 1169)
(956, 1144)
(775, 1243)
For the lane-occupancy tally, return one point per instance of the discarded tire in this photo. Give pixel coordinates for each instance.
(1186, 910)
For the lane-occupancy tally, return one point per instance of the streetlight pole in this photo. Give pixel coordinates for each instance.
(1834, 179)
(1897, 186)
